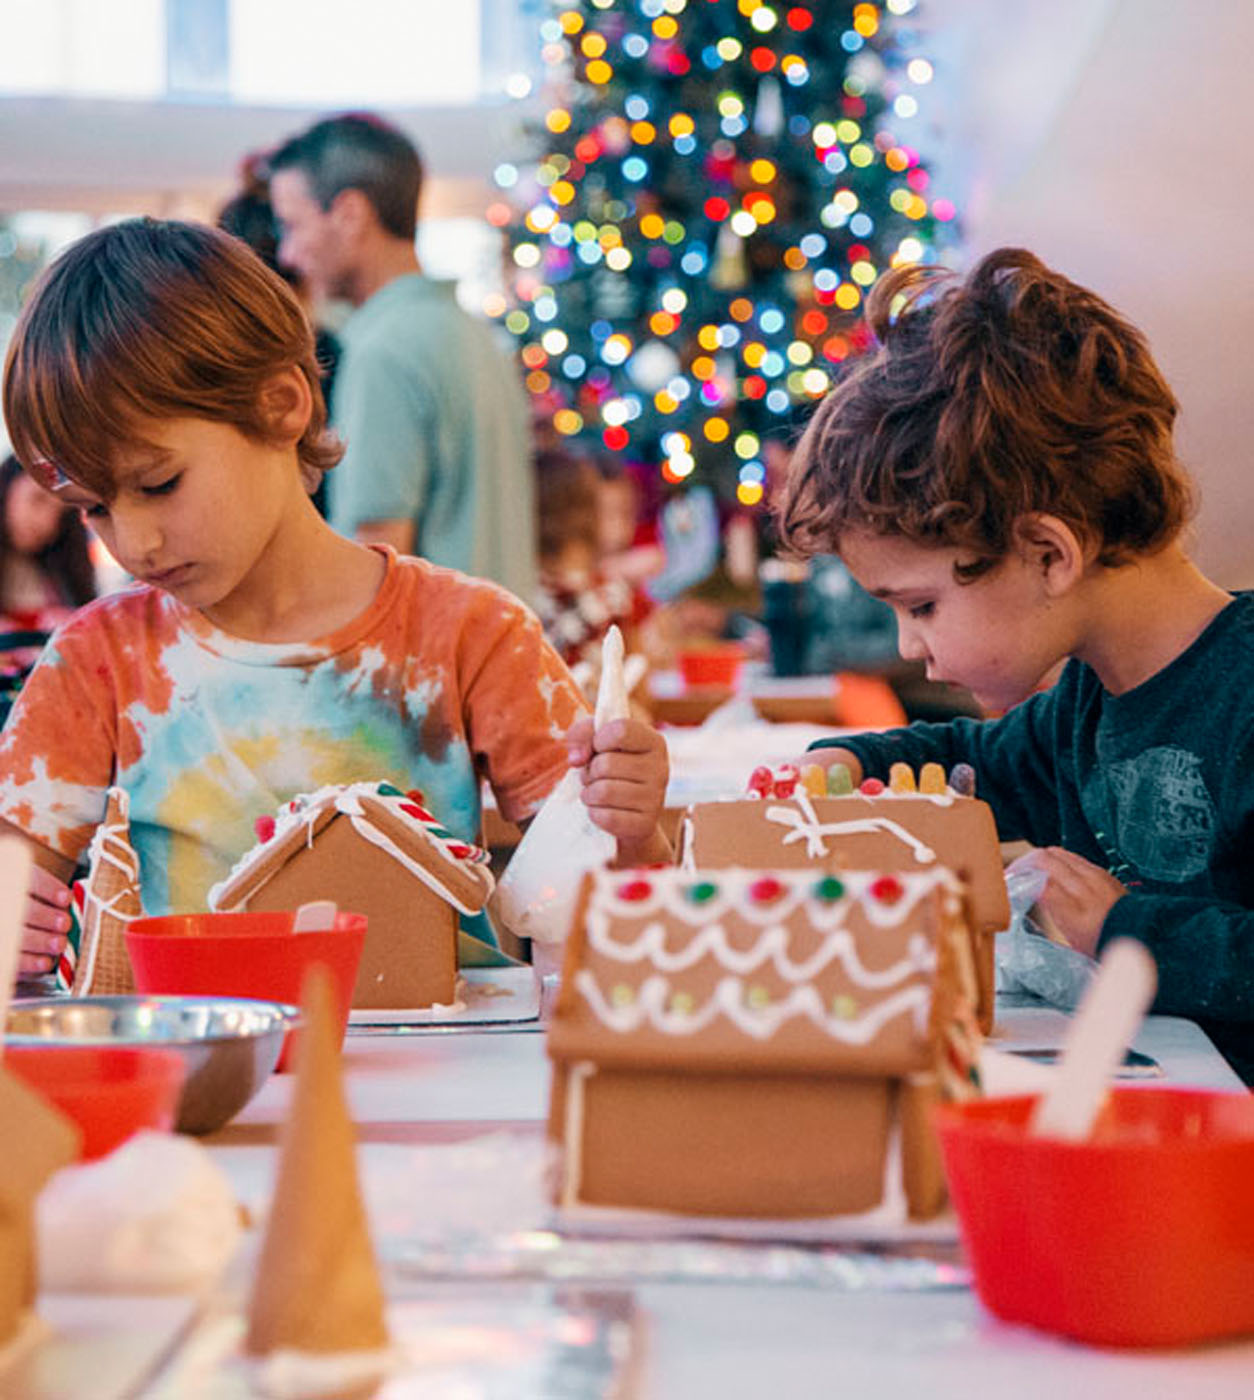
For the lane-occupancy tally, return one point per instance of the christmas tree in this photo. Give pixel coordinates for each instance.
(719, 184)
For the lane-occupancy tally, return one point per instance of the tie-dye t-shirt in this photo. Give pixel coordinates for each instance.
(443, 680)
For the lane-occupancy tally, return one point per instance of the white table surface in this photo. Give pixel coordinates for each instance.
(427, 1104)
(417, 1098)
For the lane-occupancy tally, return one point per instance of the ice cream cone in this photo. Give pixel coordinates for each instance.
(111, 901)
(317, 1285)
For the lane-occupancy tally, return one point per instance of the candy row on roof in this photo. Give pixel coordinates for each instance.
(837, 781)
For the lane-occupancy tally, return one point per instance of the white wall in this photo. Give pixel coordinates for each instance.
(180, 159)
(1116, 139)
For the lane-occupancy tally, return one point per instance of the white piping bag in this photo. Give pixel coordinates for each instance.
(535, 897)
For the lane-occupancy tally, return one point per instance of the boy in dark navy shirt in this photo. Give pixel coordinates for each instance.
(1001, 472)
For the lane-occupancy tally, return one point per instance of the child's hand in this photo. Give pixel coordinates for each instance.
(625, 771)
(47, 923)
(828, 758)
(1077, 895)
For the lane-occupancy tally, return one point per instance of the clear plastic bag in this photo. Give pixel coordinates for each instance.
(535, 897)
(1028, 960)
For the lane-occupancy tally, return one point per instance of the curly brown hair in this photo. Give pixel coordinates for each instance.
(150, 319)
(1010, 391)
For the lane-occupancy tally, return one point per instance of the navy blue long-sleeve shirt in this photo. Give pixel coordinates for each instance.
(1155, 785)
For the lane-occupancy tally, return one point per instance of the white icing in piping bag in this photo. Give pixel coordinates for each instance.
(535, 897)
(612, 690)
(1103, 1026)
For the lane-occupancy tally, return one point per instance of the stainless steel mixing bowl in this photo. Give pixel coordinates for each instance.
(230, 1045)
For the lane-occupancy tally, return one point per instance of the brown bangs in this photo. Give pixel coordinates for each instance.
(151, 320)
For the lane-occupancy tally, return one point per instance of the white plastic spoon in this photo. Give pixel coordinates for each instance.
(318, 916)
(1103, 1026)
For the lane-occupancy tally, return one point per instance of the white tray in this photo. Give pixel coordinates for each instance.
(487, 996)
(106, 1346)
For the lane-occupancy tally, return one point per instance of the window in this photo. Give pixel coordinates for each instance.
(324, 54)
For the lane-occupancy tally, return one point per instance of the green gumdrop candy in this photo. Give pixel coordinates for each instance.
(839, 780)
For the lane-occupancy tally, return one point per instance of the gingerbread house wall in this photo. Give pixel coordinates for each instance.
(48, 1140)
(17, 1268)
(725, 1145)
(410, 955)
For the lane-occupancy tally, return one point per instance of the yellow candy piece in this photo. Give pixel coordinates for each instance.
(901, 778)
(932, 779)
(814, 780)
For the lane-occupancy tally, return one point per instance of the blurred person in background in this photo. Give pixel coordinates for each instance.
(45, 562)
(249, 215)
(45, 573)
(430, 407)
(577, 601)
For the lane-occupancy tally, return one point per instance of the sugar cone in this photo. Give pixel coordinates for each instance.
(36, 1141)
(317, 1285)
(111, 901)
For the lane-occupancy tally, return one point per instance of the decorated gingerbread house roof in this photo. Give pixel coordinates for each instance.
(395, 822)
(815, 817)
(723, 971)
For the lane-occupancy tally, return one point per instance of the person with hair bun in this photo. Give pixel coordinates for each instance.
(162, 380)
(1001, 471)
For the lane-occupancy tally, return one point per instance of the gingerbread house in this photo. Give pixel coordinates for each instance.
(376, 851)
(38, 1140)
(748, 1043)
(95, 961)
(795, 820)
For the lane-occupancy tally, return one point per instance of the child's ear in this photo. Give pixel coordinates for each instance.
(1051, 546)
(285, 404)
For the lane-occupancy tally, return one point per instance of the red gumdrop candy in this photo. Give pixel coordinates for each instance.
(417, 795)
(785, 786)
(887, 889)
(766, 889)
(635, 890)
(264, 827)
(870, 787)
(760, 780)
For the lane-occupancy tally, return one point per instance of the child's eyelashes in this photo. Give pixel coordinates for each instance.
(99, 510)
(922, 609)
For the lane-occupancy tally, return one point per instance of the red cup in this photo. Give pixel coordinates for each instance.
(110, 1093)
(1141, 1236)
(717, 665)
(244, 955)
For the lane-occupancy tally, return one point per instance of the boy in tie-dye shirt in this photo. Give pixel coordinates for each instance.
(164, 381)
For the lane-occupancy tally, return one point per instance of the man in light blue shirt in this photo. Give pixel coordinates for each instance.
(430, 407)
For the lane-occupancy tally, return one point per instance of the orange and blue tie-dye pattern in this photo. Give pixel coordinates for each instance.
(442, 682)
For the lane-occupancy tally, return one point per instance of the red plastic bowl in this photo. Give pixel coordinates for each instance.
(714, 665)
(109, 1093)
(244, 955)
(1142, 1236)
